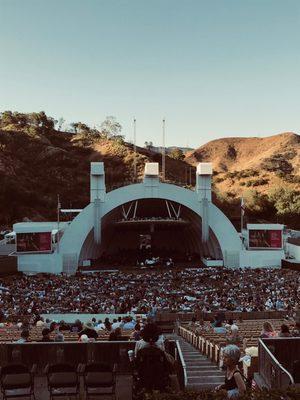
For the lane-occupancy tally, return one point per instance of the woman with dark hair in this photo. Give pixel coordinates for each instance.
(107, 324)
(284, 331)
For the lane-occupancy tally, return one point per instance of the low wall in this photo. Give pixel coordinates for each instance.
(285, 350)
(235, 315)
(71, 317)
(42, 354)
(261, 258)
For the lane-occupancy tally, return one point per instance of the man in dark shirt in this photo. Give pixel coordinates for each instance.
(88, 329)
(46, 335)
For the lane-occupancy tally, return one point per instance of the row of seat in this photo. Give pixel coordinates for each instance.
(13, 334)
(62, 380)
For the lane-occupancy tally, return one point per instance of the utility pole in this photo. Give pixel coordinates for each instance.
(134, 150)
(163, 151)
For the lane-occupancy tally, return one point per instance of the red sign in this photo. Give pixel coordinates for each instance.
(34, 242)
(265, 238)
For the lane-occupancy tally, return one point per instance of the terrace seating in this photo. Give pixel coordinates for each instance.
(210, 343)
(12, 334)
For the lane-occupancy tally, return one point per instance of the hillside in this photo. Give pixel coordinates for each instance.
(245, 163)
(34, 168)
(38, 162)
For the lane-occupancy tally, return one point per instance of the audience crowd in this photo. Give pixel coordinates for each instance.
(206, 289)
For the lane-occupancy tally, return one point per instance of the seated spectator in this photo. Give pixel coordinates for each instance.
(63, 326)
(53, 326)
(83, 339)
(284, 331)
(100, 325)
(234, 383)
(115, 324)
(59, 336)
(234, 337)
(89, 330)
(107, 324)
(40, 323)
(116, 335)
(77, 326)
(268, 330)
(129, 324)
(218, 327)
(151, 335)
(24, 336)
(296, 330)
(46, 335)
(136, 334)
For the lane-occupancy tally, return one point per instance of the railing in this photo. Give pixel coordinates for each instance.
(273, 373)
(235, 315)
(182, 366)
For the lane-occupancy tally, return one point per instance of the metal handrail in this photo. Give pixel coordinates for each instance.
(285, 371)
(182, 362)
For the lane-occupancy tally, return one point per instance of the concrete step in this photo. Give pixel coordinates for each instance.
(202, 372)
(202, 386)
(211, 379)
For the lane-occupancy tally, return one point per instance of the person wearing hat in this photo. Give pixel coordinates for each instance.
(89, 330)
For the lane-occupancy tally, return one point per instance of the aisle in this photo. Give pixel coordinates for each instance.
(201, 372)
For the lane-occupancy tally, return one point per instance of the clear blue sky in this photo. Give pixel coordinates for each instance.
(212, 68)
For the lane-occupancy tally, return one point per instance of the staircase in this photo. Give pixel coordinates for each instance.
(202, 374)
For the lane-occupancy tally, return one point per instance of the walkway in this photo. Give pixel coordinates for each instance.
(201, 373)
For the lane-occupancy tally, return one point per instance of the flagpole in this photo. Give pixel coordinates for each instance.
(58, 212)
(242, 214)
(134, 149)
(163, 166)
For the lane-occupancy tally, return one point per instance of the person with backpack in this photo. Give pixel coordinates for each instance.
(234, 385)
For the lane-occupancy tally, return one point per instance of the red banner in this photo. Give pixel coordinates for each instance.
(34, 242)
(265, 238)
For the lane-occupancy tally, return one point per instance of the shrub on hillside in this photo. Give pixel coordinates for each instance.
(277, 163)
(259, 182)
(231, 152)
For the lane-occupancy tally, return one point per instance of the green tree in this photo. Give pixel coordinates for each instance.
(111, 127)
(286, 201)
(177, 154)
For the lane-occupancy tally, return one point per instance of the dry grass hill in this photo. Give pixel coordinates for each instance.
(260, 163)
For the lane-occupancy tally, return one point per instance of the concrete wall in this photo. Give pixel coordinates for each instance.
(261, 258)
(293, 251)
(35, 263)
